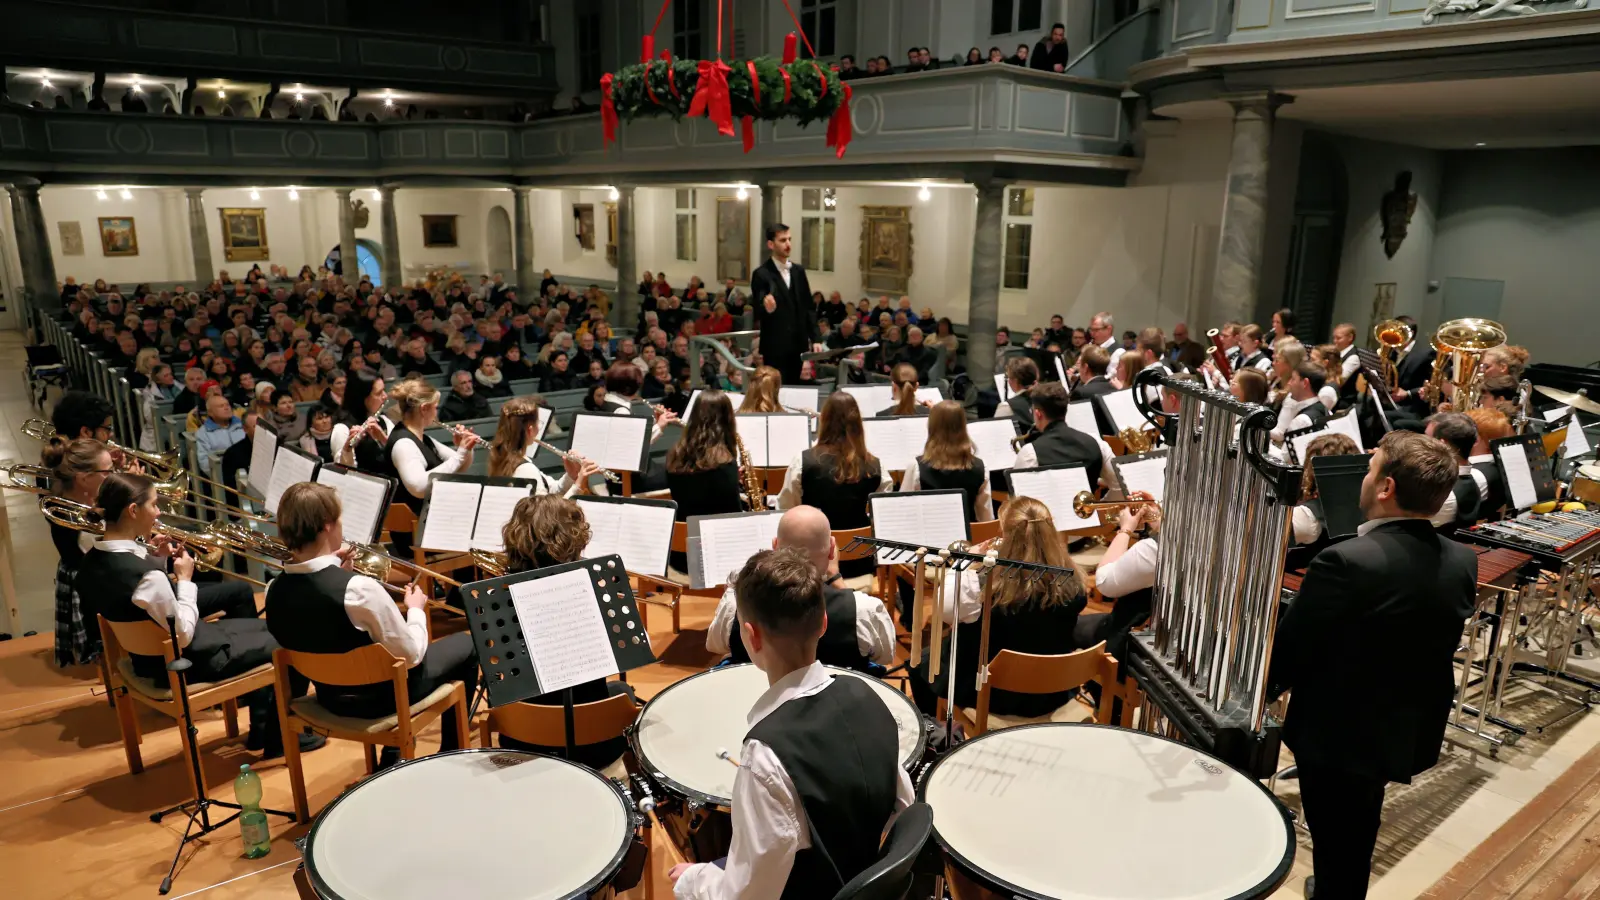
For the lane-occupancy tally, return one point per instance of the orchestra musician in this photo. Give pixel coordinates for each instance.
(80, 414)
(1344, 344)
(1022, 374)
(949, 461)
(318, 605)
(1127, 575)
(360, 440)
(859, 630)
(1463, 506)
(1251, 356)
(1492, 425)
(781, 297)
(837, 475)
(1301, 408)
(1308, 523)
(904, 379)
(761, 393)
(1056, 443)
(411, 455)
(1249, 386)
(1413, 368)
(125, 575)
(703, 466)
(820, 766)
(77, 470)
(1397, 592)
(512, 451)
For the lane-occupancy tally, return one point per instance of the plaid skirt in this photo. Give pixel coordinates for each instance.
(77, 635)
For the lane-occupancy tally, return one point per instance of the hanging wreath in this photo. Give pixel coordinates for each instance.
(762, 88)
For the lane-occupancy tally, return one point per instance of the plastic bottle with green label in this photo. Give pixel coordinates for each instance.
(252, 821)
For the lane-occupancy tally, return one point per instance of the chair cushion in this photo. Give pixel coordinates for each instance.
(308, 709)
(1071, 711)
(158, 690)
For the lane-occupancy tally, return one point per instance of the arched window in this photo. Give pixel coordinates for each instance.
(369, 257)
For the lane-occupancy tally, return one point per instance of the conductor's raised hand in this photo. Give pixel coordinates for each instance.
(771, 303)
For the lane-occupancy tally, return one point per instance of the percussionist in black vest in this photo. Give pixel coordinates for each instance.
(128, 583)
(859, 628)
(820, 764)
(319, 606)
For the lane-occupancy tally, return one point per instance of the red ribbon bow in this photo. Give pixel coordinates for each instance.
(840, 126)
(748, 124)
(608, 110)
(711, 96)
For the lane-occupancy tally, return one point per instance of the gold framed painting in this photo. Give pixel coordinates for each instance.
(244, 234)
(611, 234)
(439, 231)
(886, 249)
(118, 236)
(733, 239)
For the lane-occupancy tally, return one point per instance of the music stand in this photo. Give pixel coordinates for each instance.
(1339, 491)
(1537, 467)
(569, 641)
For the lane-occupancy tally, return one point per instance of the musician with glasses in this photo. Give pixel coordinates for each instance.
(1381, 609)
(77, 469)
(81, 414)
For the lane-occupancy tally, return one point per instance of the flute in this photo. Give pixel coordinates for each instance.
(609, 475)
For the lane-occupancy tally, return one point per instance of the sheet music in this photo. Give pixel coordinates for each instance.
(1519, 478)
(1081, 417)
(361, 501)
(1124, 414)
(870, 397)
(991, 440)
(787, 437)
(1300, 442)
(930, 520)
(927, 394)
(641, 533)
(896, 442)
(1056, 488)
(804, 399)
(1349, 427)
(1003, 386)
(452, 510)
(287, 469)
(612, 442)
(1577, 443)
(1148, 475)
(563, 628)
(1061, 371)
(263, 449)
(734, 397)
(495, 507)
(726, 544)
(546, 414)
(753, 433)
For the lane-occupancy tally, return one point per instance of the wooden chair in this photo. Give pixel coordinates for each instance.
(1028, 673)
(150, 639)
(872, 583)
(772, 479)
(371, 664)
(652, 591)
(1118, 448)
(400, 517)
(983, 531)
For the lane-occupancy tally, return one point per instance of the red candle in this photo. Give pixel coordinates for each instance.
(789, 48)
(649, 49)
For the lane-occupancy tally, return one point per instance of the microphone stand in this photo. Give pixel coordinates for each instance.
(199, 808)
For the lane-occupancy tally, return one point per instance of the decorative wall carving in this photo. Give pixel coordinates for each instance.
(439, 231)
(1396, 208)
(1484, 9)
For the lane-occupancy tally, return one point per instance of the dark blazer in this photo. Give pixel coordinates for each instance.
(1378, 616)
(787, 330)
(1413, 372)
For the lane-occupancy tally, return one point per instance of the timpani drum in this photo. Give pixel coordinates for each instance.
(681, 730)
(1090, 812)
(472, 823)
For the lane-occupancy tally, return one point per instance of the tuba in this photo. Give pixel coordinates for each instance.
(1460, 344)
(1392, 335)
(755, 490)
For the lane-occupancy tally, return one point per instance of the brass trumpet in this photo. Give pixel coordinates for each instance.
(1084, 503)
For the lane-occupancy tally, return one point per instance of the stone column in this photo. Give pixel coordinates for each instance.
(205, 271)
(625, 309)
(392, 270)
(771, 213)
(522, 242)
(1236, 284)
(33, 247)
(348, 260)
(983, 303)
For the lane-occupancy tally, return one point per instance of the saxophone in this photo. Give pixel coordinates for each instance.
(754, 488)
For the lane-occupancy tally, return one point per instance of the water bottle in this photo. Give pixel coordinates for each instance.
(252, 821)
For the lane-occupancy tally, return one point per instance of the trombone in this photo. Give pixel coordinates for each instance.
(371, 561)
(160, 466)
(209, 546)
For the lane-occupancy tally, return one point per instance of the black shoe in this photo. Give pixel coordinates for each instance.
(308, 743)
(387, 757)
(1311, 887)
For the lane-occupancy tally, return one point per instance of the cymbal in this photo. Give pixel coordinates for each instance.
(1578, 400)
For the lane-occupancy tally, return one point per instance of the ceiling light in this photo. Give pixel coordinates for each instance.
(924, 195)
(742, 193)
(388, 99)
(377, 194)
(299, 96)
(100, 194)
(126, 194)
(46, 81)
(294, 194)
(614, 194)
(138, 88)
(222, 94)
(1479, 144)
(255, 194)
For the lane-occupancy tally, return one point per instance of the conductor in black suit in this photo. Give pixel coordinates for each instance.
(1366, 648)
(784, 312)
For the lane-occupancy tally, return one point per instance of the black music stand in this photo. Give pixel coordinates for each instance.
(1540, 471)
(1339, 490)
(510, 668)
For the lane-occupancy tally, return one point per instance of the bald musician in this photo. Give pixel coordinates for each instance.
(859, 629)
(1381, 609)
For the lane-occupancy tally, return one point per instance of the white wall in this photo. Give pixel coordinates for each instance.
(471, 209)
(157, 213)
(1371, 168)
(555, 243)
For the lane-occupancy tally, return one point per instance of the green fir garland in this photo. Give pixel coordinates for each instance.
(812, 97)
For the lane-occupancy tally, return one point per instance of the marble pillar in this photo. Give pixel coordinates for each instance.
(205, 270)
(771, 213)
(522, 239)
(33, 247)
(392, 271)
(348, 261)
(983, 302)
(625, 309)
(1236, 284)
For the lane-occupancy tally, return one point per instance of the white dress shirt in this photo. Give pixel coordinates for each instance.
(1134, 570)
(790, 497)
(155, 595)
(544, 484)
(1364, 527)
(875, 636)
(1115, 348)
(371, 610)
(1329, 395)
(655, 435)
(408, 461)
(1349, 362)
(341, 436)
(1289, 418)
(783, 270)
(1306, 527)
(1478, 478)
(769, 822)
(982, 505)
(1028, 458)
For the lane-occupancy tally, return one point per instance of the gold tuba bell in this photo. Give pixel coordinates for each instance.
(1391, 335)
(1460, 344)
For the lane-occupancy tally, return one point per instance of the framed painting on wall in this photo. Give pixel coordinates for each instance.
(71, 238)
(611, 234)
(439, 231)
(733, 239)
(244, 234)
(583, 224)
(886, 249)
(1382, 307)
(118, 237)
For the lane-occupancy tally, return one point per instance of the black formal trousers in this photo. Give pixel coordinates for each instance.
(1343, 811)
(234, 599)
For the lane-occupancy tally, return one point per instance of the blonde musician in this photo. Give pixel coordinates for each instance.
(761, 394)
(904, 379)
(412, 456)
(515, 444)
(703, 467)
(318, 605)
(838, 474)
(949, 461)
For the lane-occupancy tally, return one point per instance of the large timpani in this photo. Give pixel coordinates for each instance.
(682, 729)
(472, 823)
(1092, 812)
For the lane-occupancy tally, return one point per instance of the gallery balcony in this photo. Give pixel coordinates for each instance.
(1007, 121)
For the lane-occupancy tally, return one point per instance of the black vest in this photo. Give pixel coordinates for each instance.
(1491, 505)
(1059, 444)
(372, 456)
(106, 581)
(969, 480)
(612, 406)
(1315, 411)
(1467, 502)
(838, 647)
(840, 748)
(306, 614)
(1247, 362)
(430, 458)
(1021, 410)
(845, 504)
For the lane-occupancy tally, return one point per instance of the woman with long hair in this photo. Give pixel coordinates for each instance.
(77, 470)
(512, 451)
(904, 379)
(948, 461)
(838, 474)
(1028, 617)
(703, 467)
(1128, 367)
(546, 530)
(362, 430)
(412, 456)
(1249, 386)
(1308, 520)
(761, 391)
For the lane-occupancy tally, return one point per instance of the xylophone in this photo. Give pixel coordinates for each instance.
(1494, 564)
(1556, 537)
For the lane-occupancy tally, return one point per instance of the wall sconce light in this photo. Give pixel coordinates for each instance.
(294, 194)
(222, 94)
(126, 194)
(924, 194)
(255, 194)
(613, 194)
(100, 194)
(742, 193)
